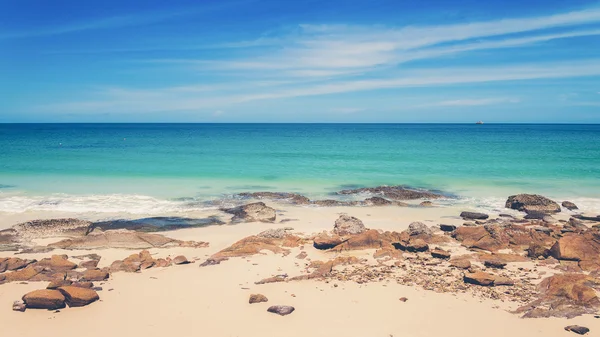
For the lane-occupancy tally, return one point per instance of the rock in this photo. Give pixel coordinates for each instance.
(496, 264)
(564, 295)
(44, 299)
(460, 263)
(94, 275)
(440, 253)
(587, 217)
(281, 310)
(278, 233)
(580, 330)
(257, 211)
(426, 204)
(15, 263)
(180, 260)
(395, 193)
(57, 263)
(325, 241)
(331, 202)
(255, 245)
(479, 278)
(418, 228)
(24, 274)
(89, 264)
(474, 216)
(584, 248)
(78, 297)
(417, 245)
(377, 201)
(58, 283)
(569, 205)
(532, 203)
(19, 306)
(447, 228)
(302, 255)
(493, 237)
(536, 250)
(403, 299)
(122, 238)
(503, 281)
(348, 225)
(257, 298)
(87, 285)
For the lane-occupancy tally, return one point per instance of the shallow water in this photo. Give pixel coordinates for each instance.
(155, 168)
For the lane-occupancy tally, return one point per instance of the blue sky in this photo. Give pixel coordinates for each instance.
(300, 61)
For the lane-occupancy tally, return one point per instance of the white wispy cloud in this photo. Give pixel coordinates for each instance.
(167, 99)
(473, 102)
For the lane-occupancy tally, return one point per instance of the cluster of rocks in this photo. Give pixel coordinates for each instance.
(417, 256)
(71, 284)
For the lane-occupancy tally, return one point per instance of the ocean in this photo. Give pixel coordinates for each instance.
(154, 168)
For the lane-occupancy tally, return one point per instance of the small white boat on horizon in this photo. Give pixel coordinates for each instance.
(480, 122)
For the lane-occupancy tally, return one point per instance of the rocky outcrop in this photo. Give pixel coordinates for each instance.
(495, 237)
(257, 211)
(123, 239)
(480, 278)
(377, 201)
(77, 296)
(584, 248)
(474, 216)
(440, 254)
(156, 224)
(281, 310)
(93, 275)
(44, 299)
(253, 245)
(348, 225)
(564, 295)
(180, 260)
(569, 205)
(532, 203)
(394, 192)
(257, 298)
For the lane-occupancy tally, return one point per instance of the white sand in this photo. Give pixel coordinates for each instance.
(191, 301)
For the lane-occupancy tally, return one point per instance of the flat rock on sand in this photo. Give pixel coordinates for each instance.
(44, 299)
(281, 310)
(77, 296)
(257, 298)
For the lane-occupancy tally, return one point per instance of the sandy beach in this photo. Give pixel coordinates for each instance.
(189, 300)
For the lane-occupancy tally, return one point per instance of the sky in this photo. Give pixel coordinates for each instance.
(531, 61)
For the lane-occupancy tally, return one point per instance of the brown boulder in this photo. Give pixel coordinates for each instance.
(529, 203)
(89, 264)
(564, 295)
(440, 253)
(494, 263)
(460, 263)
(348, 225)
(584, 248)
(44, 299)
(19, 306)
(370, 239)
(324, 241)
(78, 297)
(57, 263)
(180, 260)
(257, 298)
(494, 237)
(24, 274)
(58, 283)
(94, 275)
(15, 263)
(479, 278)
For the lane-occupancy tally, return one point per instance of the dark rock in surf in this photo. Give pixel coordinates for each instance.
(474, 216)
(530, 203)
(394, 192)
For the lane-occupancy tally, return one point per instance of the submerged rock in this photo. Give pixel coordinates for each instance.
(530, 203)
(294, 198)
(37, 229)
(156, 224)
(395, 192)
(569, 205)
(257, 211)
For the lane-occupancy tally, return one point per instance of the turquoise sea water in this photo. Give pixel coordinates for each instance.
(147, 166)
